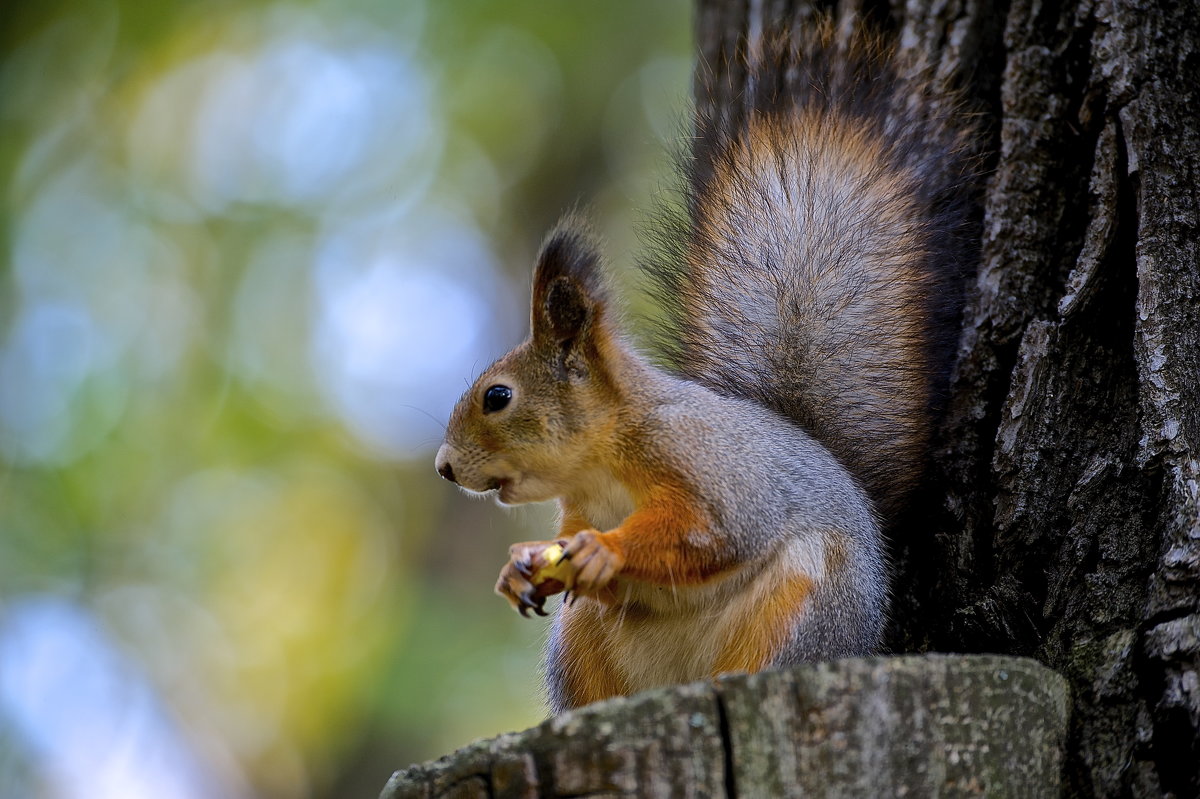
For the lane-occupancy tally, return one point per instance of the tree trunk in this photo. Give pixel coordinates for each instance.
(1061, 517)
(931, 726)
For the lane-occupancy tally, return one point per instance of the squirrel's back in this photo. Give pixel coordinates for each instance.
(820, 263)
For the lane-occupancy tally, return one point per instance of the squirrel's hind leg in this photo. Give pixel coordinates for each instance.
(756, 643)
(821, 597)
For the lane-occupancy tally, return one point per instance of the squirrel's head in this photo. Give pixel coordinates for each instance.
(531, 423)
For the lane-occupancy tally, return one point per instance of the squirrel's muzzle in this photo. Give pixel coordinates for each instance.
(442, 464)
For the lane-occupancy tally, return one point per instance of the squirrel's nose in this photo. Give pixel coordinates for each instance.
(442, 464)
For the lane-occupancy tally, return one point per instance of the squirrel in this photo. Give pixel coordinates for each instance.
(727, 513)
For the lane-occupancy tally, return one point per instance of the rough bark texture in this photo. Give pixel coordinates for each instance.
(927, 726)
(1062, 518)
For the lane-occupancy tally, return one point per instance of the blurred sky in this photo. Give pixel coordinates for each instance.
(252, 254)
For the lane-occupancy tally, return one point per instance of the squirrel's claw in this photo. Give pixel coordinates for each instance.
(531, 601)
(520, 582)
(522, 600)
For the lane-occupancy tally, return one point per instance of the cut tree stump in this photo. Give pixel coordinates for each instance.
(920, 726)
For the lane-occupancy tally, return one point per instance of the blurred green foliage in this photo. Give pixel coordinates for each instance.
(252, 252)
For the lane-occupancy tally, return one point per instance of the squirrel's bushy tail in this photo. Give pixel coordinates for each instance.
(819, 262)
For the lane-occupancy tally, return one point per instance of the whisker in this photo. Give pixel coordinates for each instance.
(436, 421)
(624, 607)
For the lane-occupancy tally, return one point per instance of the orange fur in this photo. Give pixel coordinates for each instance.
(664, 541)
(755, 643)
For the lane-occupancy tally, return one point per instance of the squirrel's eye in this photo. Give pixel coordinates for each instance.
(495, 398)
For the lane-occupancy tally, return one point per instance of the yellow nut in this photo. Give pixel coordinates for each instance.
(555, 569)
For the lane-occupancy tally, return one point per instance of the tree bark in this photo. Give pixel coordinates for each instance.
(1062, 514)
(946, 726)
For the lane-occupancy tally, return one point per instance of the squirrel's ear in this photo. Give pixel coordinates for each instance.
(568, 292)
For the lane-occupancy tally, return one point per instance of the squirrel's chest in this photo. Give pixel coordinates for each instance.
(605, 504)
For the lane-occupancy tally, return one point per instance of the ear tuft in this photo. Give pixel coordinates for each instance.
(568, 284)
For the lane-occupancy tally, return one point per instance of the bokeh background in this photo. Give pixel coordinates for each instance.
(251, 254)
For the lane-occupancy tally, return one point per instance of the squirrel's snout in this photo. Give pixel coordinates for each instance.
(442, 464)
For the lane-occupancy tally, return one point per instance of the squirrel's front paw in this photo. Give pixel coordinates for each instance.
(523, 580)
(594, 562)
